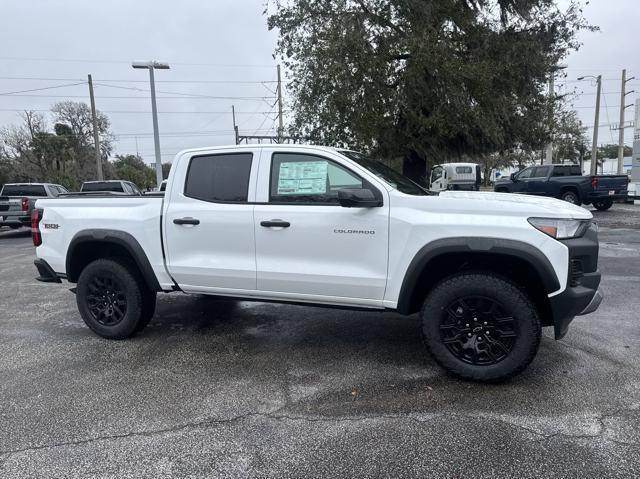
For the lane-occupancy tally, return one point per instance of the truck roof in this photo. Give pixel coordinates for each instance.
(104, 181)
(251, 146)
(25, 184)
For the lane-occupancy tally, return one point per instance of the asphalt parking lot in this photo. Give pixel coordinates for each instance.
(216, 388)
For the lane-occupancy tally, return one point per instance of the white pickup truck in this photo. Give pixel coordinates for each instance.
(324, 226)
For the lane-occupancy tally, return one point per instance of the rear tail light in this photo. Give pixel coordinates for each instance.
(594, 182)
(36, 216)
(25, 204)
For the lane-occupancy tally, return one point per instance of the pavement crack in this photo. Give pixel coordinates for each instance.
(275, 415)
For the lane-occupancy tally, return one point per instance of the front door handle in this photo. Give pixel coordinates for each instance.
(186, 221)
(275, 223)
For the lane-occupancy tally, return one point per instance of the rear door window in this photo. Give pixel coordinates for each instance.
(540, 172)
(222, 178)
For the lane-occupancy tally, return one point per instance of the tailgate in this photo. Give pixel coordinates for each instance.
(10, 204)
(617, 184)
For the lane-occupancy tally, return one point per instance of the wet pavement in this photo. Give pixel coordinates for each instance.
(218, 388)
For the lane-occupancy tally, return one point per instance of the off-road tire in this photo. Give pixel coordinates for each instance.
(511, 299)
(130, 290)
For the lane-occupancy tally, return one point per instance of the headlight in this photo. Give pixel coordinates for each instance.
(560, 229)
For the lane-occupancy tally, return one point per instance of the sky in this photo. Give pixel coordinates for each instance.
(221, 54)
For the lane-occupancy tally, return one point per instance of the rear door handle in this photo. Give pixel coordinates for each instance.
(186, 221)
(275, 223)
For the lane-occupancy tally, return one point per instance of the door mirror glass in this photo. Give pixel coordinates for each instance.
(513, 177)
(358, 198)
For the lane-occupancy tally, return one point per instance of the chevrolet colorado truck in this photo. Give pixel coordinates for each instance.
(567, 183)
(329, 227)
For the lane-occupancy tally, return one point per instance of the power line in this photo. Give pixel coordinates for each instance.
(235, 82)
(147, 112)
(203, 97)
(17, 93)
(188, 95)
(128, 62)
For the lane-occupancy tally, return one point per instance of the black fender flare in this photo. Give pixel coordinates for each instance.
(504, 247)
(120, 238)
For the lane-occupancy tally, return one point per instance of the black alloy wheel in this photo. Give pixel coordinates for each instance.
(477, 330)
(106, 300)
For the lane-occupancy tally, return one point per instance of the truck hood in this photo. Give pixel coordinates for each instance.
(517, 205)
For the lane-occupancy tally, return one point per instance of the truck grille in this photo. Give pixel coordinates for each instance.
(575, 273)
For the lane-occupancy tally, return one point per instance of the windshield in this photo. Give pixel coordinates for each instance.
(387, 174)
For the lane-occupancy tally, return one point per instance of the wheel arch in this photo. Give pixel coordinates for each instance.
(92, 244)
(572, 188)
(524, 264)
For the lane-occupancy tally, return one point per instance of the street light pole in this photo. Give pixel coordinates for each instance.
(151, 66)
(596, 123)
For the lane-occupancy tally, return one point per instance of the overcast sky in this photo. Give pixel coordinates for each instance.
(211, 47)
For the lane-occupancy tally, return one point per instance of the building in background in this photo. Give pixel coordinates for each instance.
(634, 185)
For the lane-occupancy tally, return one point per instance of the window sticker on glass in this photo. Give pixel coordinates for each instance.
(302, 178)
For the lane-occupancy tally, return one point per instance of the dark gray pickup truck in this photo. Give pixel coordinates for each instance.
(18, 199)
(567, 183)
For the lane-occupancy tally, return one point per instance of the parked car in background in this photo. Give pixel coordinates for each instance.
(323, 226)
(17, 201)
(567, 183)
(114, 186)
(455, 176)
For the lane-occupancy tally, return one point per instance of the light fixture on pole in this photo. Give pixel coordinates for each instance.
(151, 66)
(596, 123)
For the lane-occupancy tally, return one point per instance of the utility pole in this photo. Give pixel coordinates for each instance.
(235, 127)
(151, 66)
(548, 159)
(280, 119)
(96, 136)
(596, 124)
(621, 126)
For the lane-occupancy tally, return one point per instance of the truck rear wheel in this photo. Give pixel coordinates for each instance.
(603, 205)
(111, 299)
(481, 327)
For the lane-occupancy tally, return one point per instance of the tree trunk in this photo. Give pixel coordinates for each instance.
(415, 168)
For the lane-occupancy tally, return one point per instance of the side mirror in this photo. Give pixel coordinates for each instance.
(513, 178)
(358, 198)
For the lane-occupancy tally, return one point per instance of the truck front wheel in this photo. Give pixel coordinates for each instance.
(570, 196)
(480, 326)
(111, 299)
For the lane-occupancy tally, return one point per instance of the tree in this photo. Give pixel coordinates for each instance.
(611, 151)
(133, 168)
(569, 138)
(425, 80)
(74, 121)
(30, 151)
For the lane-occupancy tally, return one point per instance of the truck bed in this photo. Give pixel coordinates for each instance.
(138, 216)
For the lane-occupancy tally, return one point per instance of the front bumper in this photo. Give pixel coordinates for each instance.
(582, 294)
